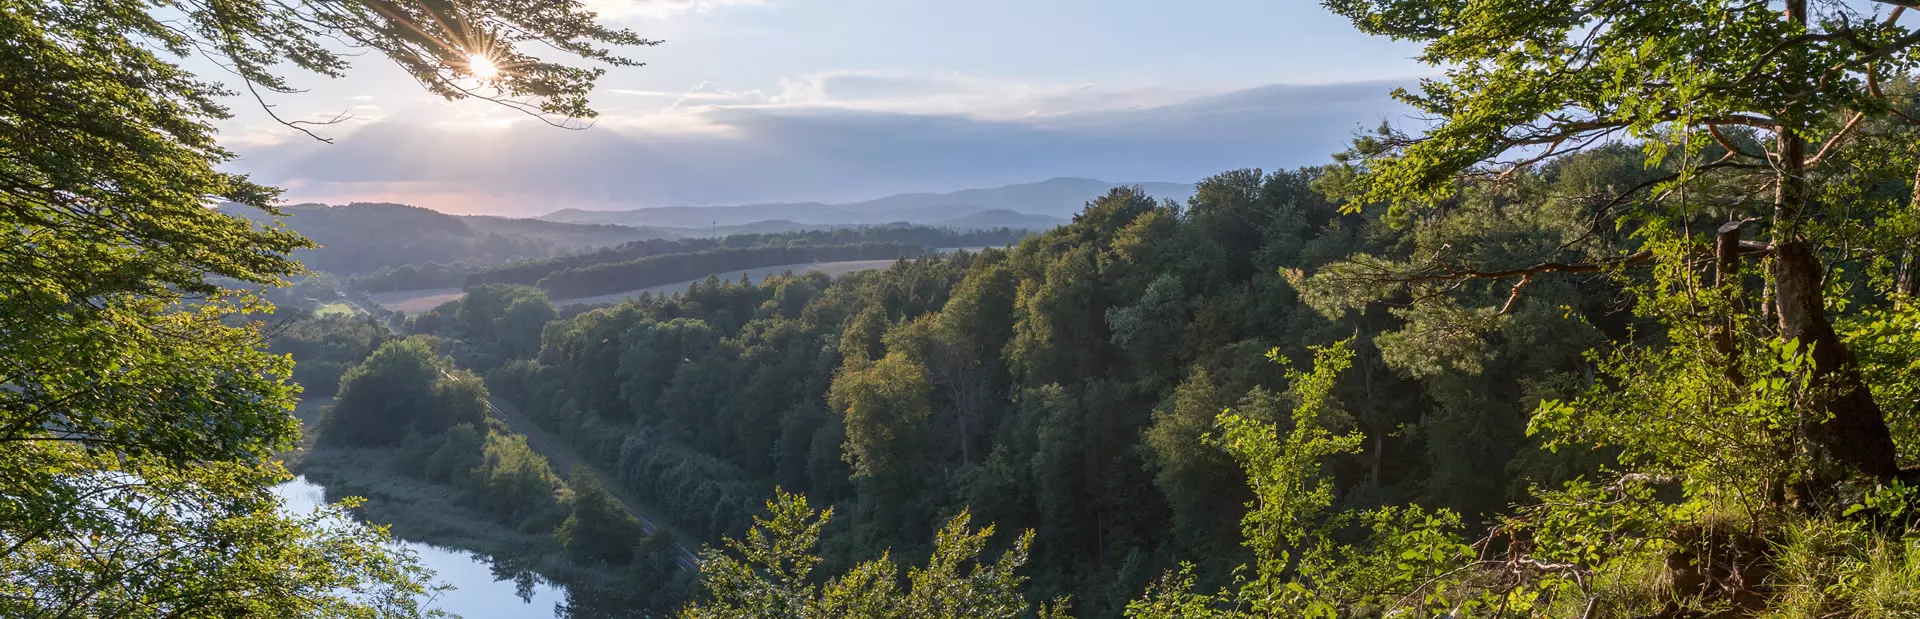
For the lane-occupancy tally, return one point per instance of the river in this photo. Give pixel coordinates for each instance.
(476, 594)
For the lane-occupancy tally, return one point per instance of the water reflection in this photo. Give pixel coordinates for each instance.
(483, 588)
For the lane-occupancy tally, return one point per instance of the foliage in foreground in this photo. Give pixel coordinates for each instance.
(139, 412)
(139, 537)
(769, 573)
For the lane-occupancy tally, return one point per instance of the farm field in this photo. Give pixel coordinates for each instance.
(415, 301)
(336, 307)
(832, 269)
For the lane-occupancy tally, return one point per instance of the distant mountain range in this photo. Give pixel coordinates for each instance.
(1039, 205)
(363, 237)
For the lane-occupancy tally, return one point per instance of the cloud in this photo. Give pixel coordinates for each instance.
(829, 137)
(958, 94)
(618, 9)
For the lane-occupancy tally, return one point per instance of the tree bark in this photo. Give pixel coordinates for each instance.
(1849, 425)
(1846, 424)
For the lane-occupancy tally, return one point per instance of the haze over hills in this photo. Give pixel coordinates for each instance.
(1031, 205)
(362, 236)
(1002, 218)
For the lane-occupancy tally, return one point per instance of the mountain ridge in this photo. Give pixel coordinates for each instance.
(1047, 202)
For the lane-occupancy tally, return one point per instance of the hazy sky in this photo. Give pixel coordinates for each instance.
(794, 100)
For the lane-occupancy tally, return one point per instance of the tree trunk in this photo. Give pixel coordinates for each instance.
(1909, 270)
(1846, 424)
(1854, 430)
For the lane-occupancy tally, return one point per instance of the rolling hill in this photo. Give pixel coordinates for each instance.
(1037, 205)
(363, 237)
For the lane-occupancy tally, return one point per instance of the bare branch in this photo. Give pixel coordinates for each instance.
(295, 125)
(1450, 273)
(1845, 132)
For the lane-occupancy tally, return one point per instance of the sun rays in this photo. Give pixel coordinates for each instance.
(480, 66)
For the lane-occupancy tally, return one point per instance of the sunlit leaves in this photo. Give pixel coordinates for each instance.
(138, 409)
(768, 573)
(1524, 77)
(140, 537)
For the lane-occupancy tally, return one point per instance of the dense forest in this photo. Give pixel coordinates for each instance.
(1552, 361)
(1064, 386)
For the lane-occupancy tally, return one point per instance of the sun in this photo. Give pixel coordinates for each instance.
(482, 67)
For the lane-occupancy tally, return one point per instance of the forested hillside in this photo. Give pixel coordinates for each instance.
(1075, 385)
(1624, 324)
(365, 237)
(1065, 385)
(649, 263)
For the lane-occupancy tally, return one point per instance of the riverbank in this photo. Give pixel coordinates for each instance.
(442, 515)
(419, 510)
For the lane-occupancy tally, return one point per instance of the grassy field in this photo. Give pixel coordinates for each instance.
(415, 301)
(337, 307)
(832, 269)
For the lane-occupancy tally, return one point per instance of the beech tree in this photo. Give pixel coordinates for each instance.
(1742, 109)
(139, 412)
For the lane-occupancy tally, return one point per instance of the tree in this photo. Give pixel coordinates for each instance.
(148, 538)
(1722, 92)
(1303, 562)
(597, 529)
(1196, 478)
(119, 361)
(887, 407)
(323, 347)
(521, 323)
(517, 483)
(403, 388)
(1726, 168)
(769, 573)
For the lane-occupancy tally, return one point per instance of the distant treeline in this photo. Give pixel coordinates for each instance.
(600, 272)
(610, 278)
(412, 277)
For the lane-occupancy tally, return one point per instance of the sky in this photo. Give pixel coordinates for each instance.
(752, 101)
